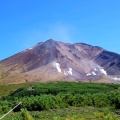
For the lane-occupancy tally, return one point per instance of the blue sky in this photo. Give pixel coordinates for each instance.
(24, 23)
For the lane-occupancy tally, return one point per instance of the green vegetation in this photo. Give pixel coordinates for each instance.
(62, 101)
(7, 89)
(71, 113)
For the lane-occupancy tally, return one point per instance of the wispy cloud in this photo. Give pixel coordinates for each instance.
(57, 31)
(61, 32)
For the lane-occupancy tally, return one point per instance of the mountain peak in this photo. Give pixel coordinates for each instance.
(54, 60)
(51, 41)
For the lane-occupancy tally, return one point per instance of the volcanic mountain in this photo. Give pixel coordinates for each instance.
(56, 61)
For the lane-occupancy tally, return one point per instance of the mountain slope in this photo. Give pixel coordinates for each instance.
(110, 61)
(52, 61)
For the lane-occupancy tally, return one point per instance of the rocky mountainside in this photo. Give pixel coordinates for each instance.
(53, 61)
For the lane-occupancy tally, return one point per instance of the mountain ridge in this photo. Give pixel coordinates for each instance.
(53, 61)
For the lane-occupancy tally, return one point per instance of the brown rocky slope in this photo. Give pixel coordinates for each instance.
(53, 61)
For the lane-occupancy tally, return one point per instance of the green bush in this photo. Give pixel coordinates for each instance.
(62, 95)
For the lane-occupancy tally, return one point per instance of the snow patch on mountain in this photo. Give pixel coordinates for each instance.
(58, 67)
(30, 48)
(88, 74)
(97, 71)
(93, 73)
(70, 71)
(65, 73)
(27, 49)
(117, 79)
(102, 70)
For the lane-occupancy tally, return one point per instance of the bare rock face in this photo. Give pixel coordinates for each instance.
(110, 61)
(53, 61)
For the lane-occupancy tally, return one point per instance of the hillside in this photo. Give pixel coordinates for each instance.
(61, 101)
(55, 61)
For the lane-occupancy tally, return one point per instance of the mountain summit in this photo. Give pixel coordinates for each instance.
(53, 61)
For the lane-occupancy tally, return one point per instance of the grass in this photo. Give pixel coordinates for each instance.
(61, 87)
(72, 113)
(8, 92)
(7, 89)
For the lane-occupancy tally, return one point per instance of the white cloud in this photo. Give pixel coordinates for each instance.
(60, 32)
(57, 31)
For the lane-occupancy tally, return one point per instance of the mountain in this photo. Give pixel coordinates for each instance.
(53, 61)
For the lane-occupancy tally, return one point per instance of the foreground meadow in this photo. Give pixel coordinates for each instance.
(61, 101)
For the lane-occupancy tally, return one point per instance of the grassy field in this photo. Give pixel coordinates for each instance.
(72, 113)
(7, 89)
(61, 101)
